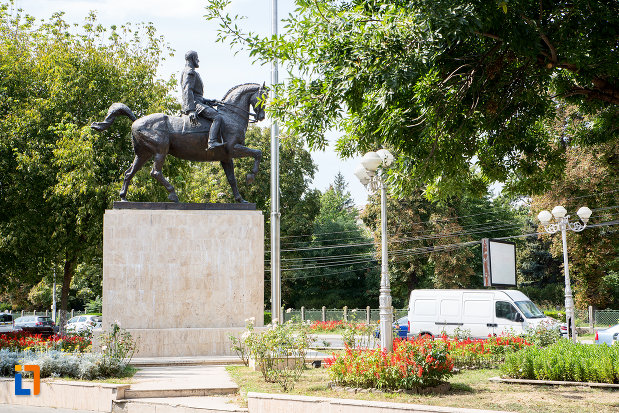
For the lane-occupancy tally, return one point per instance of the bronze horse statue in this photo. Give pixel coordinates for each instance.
(158, 135)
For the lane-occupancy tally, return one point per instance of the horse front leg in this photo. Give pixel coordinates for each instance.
(240, 151)
(229, 170)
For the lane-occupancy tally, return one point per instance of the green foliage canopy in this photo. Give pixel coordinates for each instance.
(445, 84)
(56, 176)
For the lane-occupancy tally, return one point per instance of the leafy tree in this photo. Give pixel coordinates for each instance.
(335, 267)
(590, 178)
(405, 217)
(539, 273)
(435, 245)
(445, 83)
(56, 176)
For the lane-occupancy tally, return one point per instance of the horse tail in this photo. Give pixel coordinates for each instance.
(114, 110)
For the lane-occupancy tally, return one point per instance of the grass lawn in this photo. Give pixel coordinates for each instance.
(470, 389)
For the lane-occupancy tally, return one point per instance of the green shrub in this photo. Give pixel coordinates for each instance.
(117, 346)
(94, 306)
(565, 361)
(279, 351)
(557, 315)
(544, 334)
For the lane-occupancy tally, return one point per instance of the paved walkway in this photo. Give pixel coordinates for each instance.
(164, 379)
(8, 408)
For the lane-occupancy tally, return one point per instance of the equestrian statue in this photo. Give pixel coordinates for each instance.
(202, 133)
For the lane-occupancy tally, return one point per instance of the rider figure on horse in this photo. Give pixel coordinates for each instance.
(194, 104)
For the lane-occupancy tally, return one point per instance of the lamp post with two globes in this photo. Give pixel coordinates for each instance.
(562, 224)
(371, 174)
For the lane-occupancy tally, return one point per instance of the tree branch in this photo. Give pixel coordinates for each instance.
(553, 51)
(611, 96)
(490, 35)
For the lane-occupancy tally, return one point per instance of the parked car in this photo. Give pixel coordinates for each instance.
(36, 324)
(481, 312)
(6, 323)
(81, 323)
(608, 336)
(400, 328)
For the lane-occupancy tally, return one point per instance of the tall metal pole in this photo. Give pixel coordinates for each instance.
(54, 298)
(384, 298)
(569, 299)
(275, 215)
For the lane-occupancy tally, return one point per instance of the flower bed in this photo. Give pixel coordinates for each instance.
(565, 361)
(55, 363)
(329, 326)
(35, 342)
(67, 356)
(481, 353)
(412, 364)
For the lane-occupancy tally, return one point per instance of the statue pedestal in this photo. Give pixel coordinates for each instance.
(182, 280)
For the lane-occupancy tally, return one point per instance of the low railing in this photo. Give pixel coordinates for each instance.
(589, 317)
(359, 315)
(47, 313)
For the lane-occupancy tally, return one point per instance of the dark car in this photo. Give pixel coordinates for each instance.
(36, 324)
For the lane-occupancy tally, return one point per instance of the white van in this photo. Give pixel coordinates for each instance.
(479, 312)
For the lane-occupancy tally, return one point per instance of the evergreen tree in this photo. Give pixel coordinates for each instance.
(336, 267)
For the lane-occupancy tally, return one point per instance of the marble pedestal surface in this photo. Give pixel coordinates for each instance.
(182, 281)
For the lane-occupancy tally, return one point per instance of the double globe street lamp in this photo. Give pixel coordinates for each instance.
(562, 224)
(371, 173)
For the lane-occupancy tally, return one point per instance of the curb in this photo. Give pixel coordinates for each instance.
(555, 383)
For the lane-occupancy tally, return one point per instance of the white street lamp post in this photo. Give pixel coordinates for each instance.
(54, 298)
(562, 224)
(370, 176)
(276, 280)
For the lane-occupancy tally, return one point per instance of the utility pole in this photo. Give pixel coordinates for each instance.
(54, 298)
(275, 215)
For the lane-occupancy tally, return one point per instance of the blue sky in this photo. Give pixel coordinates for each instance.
(182, 24)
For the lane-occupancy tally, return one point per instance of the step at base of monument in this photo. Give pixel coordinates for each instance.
(207, 404)
(168, 393)
(185, 361)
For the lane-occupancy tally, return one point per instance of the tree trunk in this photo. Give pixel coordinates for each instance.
(69, 269)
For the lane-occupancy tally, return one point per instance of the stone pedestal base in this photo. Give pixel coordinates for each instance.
(179, 342)
(182, 281)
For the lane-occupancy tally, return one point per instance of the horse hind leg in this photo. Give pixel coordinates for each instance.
(229, 170)
(156, 173)
(138, 163)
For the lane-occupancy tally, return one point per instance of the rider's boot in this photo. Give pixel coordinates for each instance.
(213, 137)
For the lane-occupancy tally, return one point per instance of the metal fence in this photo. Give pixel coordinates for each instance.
(47, 313)
(606, 317)
(358, 315)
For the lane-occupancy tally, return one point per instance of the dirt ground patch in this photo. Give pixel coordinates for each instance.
(470, 389)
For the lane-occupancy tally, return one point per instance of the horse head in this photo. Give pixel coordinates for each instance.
(258, 101)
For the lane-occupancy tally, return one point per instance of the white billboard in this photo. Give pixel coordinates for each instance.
(499, 262)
